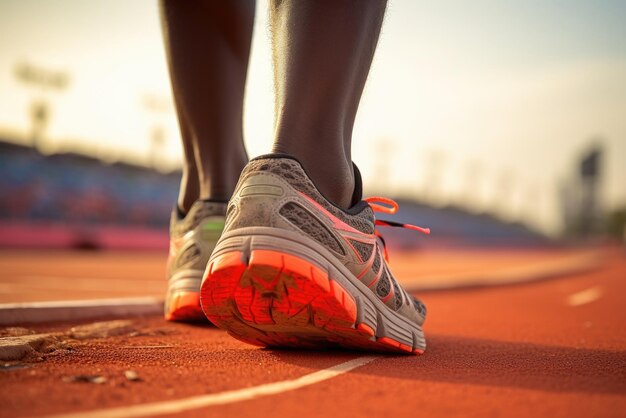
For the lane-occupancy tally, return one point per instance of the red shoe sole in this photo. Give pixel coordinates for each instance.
(184, 306)
(280, 300)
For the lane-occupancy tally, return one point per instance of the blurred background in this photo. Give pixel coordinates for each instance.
(494, 123)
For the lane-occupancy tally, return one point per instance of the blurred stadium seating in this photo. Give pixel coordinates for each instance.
(75, 200)
(79, 189)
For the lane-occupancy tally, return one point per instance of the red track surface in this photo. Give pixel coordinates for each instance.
(33, 276)
(513, 351)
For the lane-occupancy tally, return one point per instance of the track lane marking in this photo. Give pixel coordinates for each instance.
(66, 310)
(221, 398)
(585, 296)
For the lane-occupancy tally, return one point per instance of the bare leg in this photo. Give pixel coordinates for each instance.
(189, 190)
(208, 47)
(322, 53)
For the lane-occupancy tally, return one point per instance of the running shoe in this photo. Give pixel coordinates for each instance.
(192, 239)
(293, 270)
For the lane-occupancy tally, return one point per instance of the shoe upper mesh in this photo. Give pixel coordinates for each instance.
(189, 254)
(384, 285)
(310, 225)
(199, 211)
(376, 263)
(292, 172)
(364, 250)
(419, 306)
(397, 294)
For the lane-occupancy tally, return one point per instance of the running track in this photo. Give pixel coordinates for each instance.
(554, 348)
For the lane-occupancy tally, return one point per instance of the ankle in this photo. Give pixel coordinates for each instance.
(331, 173)
(217, 181)
(337, 185)
(189, 190)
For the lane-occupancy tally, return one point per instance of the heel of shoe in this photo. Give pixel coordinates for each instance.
(183, 306)
(182, 300)
(272, 298)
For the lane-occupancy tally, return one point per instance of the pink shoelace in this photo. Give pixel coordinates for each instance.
(389, 206)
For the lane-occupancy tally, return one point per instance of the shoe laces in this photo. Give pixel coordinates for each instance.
(389, 206)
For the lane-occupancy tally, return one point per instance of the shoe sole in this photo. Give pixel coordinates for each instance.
(273, 298)
(182, 299)
(183, 306)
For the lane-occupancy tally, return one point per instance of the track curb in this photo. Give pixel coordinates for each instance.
(40, 312)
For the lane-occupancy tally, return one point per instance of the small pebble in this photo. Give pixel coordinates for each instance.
(132, 375)
(86, 379)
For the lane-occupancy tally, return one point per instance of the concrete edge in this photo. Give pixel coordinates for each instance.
(56, 311)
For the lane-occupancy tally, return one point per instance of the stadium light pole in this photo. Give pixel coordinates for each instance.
(44, 80)
(589, 171)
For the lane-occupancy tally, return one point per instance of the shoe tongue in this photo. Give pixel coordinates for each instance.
(357, 195)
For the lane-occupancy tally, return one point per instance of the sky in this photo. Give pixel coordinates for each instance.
(485, 103)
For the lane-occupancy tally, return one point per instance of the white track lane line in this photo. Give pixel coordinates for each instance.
(585, 296)
(221, 398)
(66, 310)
